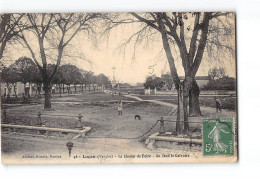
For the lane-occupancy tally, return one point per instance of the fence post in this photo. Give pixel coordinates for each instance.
(39, 119)
(162, 130)
(69, 146)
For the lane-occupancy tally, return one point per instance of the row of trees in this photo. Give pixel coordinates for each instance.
(217, 80)
(184, 36)
(47, 37)
(24, 70)
(69, 74)
(223, 83)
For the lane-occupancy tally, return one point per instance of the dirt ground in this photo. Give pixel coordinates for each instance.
(99, 112)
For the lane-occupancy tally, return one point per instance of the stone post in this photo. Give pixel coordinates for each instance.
(39, 119)
(162, 130)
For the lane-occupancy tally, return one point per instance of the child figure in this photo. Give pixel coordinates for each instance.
(120, 108)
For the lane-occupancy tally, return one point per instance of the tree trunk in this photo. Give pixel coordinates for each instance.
(15, 92)
(24, 89)
(9, 90)
(60, 89)
(2, 47)
(182, 125)
(47, 94)
(179, 128)
(185, 111)
(39, 88)
(29, 90)
(194, 106)
(68, 88)
(94, 88)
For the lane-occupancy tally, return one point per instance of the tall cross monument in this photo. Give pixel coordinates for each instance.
(114, 78)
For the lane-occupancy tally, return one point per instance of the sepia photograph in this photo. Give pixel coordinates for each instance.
(118, 87)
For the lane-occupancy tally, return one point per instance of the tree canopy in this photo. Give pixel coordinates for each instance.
(153, 82)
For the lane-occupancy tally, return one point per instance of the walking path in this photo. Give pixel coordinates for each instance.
(139, 99)
(206, 109)
(152, 101)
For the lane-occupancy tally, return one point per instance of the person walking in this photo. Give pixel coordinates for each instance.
(120, 108)
(218, 105)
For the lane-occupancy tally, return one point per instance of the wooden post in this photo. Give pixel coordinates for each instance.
(4, 114)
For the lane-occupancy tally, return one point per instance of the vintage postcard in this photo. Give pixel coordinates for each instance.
(146, 87)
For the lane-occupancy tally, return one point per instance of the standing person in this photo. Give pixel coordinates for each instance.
(53, 90)
(120, 108)
(218, 105)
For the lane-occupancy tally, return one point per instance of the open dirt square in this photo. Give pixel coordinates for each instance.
(109, 131)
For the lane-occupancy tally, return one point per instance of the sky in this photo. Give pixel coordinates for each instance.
(133, 63)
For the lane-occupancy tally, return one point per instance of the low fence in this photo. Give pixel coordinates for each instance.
(44, 127)
(160, 125)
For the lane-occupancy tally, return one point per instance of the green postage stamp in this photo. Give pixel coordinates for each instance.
(218, 137)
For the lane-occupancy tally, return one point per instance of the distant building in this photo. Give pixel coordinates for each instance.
(150, 91)
(201, 80)
(125, 86)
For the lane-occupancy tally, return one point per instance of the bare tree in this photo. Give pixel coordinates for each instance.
(190, 34)
(54, 32)
(8, 29)
(189, 31)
